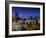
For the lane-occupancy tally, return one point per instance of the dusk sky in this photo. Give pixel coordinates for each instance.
(25, 12)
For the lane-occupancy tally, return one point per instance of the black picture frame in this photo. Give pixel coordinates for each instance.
(7, 17)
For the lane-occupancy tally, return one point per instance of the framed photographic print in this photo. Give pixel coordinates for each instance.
(24, 18)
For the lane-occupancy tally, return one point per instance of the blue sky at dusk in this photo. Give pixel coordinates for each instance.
(25, 12)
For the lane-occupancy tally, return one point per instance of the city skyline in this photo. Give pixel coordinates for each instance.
(25, 12)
